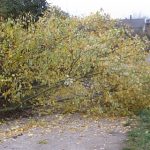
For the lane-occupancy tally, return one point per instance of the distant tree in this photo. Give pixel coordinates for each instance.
(15, 8)
(58, 12)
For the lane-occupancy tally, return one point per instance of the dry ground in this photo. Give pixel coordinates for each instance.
(61, 132)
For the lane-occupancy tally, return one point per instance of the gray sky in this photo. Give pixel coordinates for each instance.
(116, 8)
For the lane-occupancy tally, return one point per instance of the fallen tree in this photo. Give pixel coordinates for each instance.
(95, 69)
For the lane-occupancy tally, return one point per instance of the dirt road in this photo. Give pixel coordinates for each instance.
(71, 132)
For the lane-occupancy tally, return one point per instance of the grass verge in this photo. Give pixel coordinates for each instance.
(139, 138)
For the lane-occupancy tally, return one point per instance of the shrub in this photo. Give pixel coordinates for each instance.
(88, 64)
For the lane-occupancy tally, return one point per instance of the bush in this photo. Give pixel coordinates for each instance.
(88, 64)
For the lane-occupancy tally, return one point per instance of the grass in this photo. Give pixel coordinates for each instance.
(139, 138)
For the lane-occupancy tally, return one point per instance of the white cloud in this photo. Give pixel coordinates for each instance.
(116, 8)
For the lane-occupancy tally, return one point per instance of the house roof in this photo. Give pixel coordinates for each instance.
(134, 23)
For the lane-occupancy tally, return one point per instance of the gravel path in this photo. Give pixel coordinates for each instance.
(71, 132)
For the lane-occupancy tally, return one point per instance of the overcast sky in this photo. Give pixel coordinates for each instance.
(116, 8)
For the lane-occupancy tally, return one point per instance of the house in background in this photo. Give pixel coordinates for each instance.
(147, 28)
(139, 26)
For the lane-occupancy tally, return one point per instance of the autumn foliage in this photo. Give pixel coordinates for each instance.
(73, 64)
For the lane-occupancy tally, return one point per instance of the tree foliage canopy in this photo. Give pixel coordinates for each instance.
(15, 8)
(89, 64)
